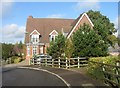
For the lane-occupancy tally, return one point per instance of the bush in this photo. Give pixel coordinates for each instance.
(95, 69)
(15, 59)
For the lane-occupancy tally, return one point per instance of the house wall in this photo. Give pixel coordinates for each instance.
(38, 51)
(29, 56)
(83, 20)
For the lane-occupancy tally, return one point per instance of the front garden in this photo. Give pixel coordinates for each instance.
(92, 43)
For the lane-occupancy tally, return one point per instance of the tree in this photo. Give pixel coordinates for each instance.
(118, 44)
(103, 26)
(69, 48)
(87, 42)
(20, 45)
(56, 48)
(7, 50)
(118, 41)
(18, 48)
(52, 50)
(112, 40)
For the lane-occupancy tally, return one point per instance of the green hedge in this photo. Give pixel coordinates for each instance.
(95, 69)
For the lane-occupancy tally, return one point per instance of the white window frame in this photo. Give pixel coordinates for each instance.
(53, 36)
(35, 38)
(34, 49)
(35, 31)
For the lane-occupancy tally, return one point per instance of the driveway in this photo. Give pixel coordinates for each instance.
(74, 78)
(28, 77)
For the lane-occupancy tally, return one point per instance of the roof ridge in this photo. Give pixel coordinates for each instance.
(56, 18)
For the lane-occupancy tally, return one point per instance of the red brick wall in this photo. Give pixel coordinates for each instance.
(83, 20)
(29, 56)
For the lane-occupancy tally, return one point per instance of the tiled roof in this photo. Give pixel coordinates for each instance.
(46, 25)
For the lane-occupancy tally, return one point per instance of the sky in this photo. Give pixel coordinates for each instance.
(14, 14)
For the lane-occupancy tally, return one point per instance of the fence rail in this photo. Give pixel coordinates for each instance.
(61, 62)
(111, 73)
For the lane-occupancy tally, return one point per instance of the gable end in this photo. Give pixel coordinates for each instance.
(80, 21)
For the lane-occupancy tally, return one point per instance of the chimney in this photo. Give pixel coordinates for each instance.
(30, 17)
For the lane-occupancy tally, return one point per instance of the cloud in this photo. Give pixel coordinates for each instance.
(55, 16)
(13, 33)
(87, 5)
(5, 7)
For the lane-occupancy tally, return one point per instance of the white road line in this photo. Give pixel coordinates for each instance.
(68, 85)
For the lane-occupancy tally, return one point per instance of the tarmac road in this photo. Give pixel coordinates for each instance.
(28, 77)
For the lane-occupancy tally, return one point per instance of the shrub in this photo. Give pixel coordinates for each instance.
(95, 69)
(15, 59)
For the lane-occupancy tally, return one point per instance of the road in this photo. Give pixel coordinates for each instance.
(28, 77)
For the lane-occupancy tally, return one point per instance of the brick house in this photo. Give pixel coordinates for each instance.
(40, 31)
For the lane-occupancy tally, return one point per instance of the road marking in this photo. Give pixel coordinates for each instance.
(68, 85)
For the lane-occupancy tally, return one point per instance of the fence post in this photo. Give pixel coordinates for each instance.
(40, 63)
(117, 64)
(103, 69)
(69, 62)
(52, 62)
(33, 61)
(78, 62)
(45, 62)
(59, 62)
(66, 64)
(117, 71)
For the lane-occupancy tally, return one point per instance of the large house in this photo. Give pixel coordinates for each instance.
(40, 31)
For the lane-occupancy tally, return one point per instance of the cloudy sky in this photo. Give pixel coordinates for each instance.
(14, 14)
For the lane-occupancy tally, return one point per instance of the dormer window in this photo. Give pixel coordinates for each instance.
(35, 37)
(52, 35)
